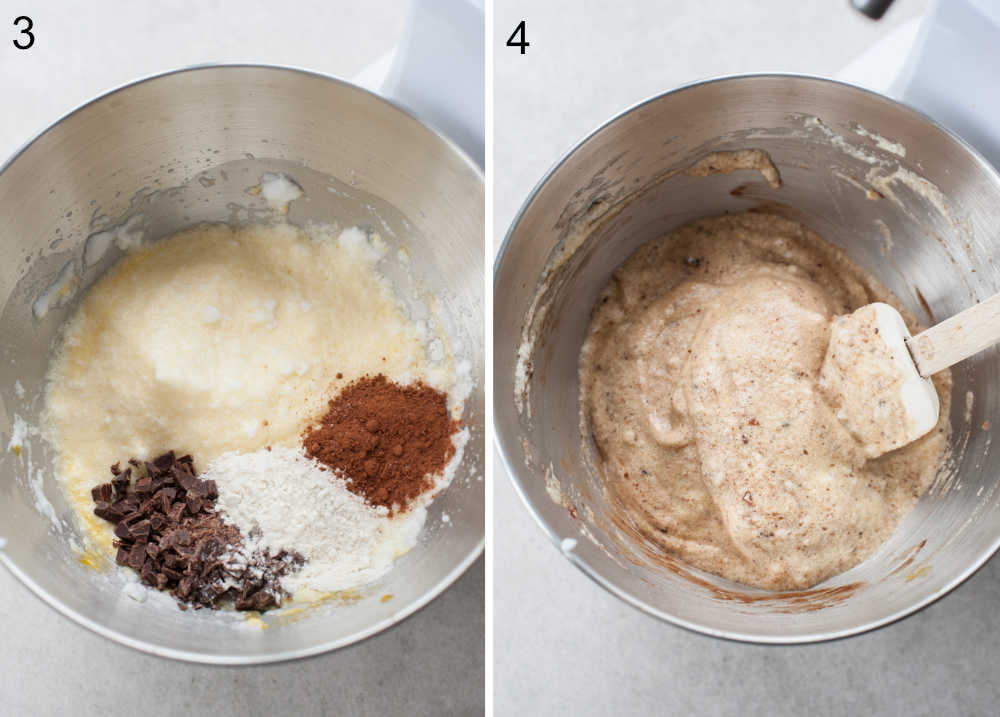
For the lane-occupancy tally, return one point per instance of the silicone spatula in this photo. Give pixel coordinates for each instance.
(877, 375)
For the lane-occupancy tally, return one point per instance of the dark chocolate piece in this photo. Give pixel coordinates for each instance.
(102, 493)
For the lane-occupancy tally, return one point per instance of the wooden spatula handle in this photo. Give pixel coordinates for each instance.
(957, 338)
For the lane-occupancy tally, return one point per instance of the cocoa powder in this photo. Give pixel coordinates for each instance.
(388, 440)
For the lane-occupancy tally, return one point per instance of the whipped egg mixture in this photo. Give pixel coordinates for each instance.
(223, 341)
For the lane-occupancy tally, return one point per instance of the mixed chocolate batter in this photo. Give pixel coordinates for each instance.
(699, 382)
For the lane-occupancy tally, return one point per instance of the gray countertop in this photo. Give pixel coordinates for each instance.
(564, 645)
(432, 663)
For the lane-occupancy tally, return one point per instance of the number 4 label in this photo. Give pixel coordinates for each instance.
(519, 37)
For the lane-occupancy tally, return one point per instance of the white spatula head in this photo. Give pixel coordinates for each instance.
(870, 379)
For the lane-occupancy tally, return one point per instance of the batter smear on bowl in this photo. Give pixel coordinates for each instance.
(700, 386)
(280, 362)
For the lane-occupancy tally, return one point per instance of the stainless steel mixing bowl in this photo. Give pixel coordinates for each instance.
(182, 148)
(924, 223)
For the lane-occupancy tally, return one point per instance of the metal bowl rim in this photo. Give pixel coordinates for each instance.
(431, 127)
(220, 659)
(516, 478)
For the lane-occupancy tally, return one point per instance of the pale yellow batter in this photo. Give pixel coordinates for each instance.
(220, 339)
(699, 384)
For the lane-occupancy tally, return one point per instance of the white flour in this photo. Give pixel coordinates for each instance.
(285, 500)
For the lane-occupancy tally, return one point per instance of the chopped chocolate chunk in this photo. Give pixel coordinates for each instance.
(166, 460)
(184, 479)
(176, 512)
(193, 504)
(260, 601)
(102, 493)
(109, 512)
(140, 529)
(121, 482)
(137, 556)
(144, 486)
(184, 588)
(208, 547)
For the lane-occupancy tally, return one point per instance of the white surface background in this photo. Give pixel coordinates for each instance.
(564, 646)
(432, 663)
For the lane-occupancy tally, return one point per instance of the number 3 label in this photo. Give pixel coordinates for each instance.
(26, 30)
